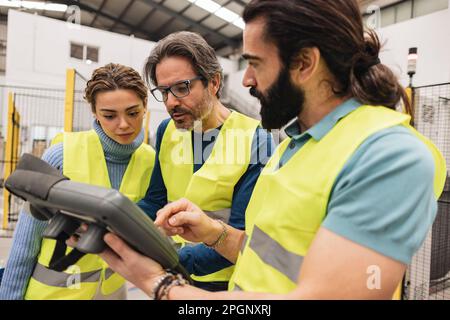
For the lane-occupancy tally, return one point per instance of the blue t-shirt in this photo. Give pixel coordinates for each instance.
(383, 198)
(199, 259)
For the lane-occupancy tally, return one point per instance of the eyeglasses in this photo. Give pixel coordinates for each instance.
(180, 89)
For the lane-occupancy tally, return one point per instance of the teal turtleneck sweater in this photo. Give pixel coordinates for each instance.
(28, 234)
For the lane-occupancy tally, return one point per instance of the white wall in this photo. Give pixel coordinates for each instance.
(38, 51)
(431, 35)
(38, 54)
(249, 104)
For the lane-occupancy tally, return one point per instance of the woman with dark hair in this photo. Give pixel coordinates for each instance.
(112, 155)
(346, 201)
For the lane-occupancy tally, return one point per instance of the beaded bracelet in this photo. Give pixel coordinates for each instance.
(159, 283)
(177, 280)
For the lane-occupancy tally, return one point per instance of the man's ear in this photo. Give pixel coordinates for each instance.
(305, 64)
(215, 83)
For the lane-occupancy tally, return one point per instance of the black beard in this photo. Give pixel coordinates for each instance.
(282, 103)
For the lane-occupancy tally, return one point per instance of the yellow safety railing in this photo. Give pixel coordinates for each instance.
(410, 95)
(398, 292)
(11, 153)
(146, 127)
(69, 100)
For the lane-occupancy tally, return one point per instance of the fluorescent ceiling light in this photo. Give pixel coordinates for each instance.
(33, 5)
(208, 5)
(227, 14)
(239, 23)
(220, 11)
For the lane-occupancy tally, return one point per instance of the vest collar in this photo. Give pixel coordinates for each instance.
(320, 130)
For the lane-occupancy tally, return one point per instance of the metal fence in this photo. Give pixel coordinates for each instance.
(38, 115)
(428, 276)
(82, 115)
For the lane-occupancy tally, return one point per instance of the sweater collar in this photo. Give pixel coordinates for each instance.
(115, 151)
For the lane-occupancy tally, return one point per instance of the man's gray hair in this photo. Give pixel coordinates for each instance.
(191, 46)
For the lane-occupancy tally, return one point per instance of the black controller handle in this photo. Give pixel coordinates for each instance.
(92, 240)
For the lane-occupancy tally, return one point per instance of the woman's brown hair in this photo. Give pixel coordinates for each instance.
(114, 76)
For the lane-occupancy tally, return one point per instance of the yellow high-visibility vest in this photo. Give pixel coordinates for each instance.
(289, 204)
(211, 187)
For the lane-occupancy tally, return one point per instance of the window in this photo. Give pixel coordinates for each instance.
(387, 16)
(423, 7)
(84, 52)
(92, 54)
(408, 9)
(403, 11)
(76, 51)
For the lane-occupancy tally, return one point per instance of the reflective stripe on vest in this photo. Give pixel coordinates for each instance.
(212, 186)
(84, 161)
(289, 203)
(62, 279)
(261, 243)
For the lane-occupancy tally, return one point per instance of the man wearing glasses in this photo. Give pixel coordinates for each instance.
(205, 152)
